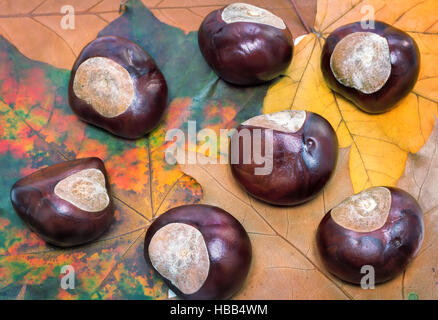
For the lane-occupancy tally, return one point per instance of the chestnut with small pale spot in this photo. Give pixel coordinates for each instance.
(381, 227)
(200, 251)
(245, 44)
(302, 156)
(66, 204)
(372, 67)
(116, 85)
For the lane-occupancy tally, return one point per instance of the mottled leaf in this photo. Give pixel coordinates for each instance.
(38, 129)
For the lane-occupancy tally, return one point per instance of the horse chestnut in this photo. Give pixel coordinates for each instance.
(245, 44)
(284, 158)
(374, 67)
(380, 227)
(201, 251)
(66, 204)
(116, 85)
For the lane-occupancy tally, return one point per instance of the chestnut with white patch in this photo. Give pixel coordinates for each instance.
(372, 67)
(66, 204)
(304, 153)
(245, 44)
(380, 227)
(200, 251)
(116, 85)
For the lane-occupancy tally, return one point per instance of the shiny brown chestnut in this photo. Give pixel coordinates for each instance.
(245, 44)
(116, 85)
(284, 158)
(66, 204)
(380, 227)
(373, 68)
(200, 251)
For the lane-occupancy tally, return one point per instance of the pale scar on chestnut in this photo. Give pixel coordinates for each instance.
(242, 12)
(84, 189)
(364, 212)
(105, 85)
(362, 60)
(179, 253)
(289, 121)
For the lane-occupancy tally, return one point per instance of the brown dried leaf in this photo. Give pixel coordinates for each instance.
(285, 262)
(420, 178)
(34, 27)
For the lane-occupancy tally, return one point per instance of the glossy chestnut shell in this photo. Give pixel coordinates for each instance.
(244, 53)
(227, 242)
(388, 249)
(405, 67)
(149, 100)
(303, 162)
(54, 219)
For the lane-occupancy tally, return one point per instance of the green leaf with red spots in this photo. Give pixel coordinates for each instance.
(38, 129)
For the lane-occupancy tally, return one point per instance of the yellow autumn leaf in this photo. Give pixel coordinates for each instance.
(381, 143)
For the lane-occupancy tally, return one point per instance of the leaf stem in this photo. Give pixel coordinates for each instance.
(306, 27)
(122, 6)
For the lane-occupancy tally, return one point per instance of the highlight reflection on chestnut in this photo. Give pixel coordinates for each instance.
(284, 158)
(380, 227)
(374, 68)
(66, 204)
(116, 85)
(245, 44)
(200, 251)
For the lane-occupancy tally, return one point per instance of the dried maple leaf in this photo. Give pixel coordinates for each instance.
(420, 179)
(286, 264)
(379, 143)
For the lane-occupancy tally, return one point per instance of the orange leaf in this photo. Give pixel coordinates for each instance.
(34, 27)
